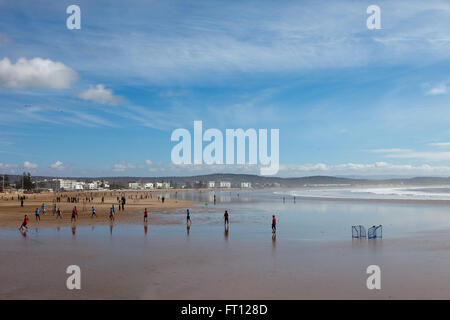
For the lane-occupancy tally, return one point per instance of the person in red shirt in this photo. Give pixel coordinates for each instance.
(145, 215)
(58, 214)
(24, 223)
(274, 224)
(225, 216)
(74, 214)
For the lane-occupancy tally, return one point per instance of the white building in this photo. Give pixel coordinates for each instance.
(79, 186)
(70, 185)
(246, 184)
(225, 184)
(134, 185)
(211, 184)
(166, 185)
(92, 186)
(148, 185)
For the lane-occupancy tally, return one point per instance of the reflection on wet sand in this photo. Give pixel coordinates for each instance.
(145, 228)
(74, 230)
(274, 241)
(23, 232)
(226, 232)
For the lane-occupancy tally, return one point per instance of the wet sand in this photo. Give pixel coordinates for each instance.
(159, 266)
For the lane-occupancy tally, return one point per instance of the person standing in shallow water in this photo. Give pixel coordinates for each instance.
(225, 217)
(274, 224)
(74, 214)
(58, 214)
(145, 215)
(188, 217)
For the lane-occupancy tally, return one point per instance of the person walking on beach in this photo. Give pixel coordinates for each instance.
(38, 216)
(145, 215)
(21, 201)
(111, 214)
(93, 212)
(58, 214)
(188, 217)
(24, 223)
(274, 224)
(225, 216)
(55, 208)
(44, 208)
(74, 214)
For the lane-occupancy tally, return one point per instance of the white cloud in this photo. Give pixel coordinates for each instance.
(148, 162)
(29, 165)
(58, 165)
(433, 156)
(36, 73)
(440, 144)
(439, 89)
(6, 166)
(120, 167)
(393, 150)
(377, 168)
(101, 95)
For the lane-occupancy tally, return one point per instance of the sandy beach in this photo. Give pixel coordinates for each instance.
(12, 214)
(312, 255)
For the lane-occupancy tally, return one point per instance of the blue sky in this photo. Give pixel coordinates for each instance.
(104, 100)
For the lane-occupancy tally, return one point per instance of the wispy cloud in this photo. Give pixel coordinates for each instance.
(438, 90)
(440, 144)
(432, 156)
(121, 167)
(29, 165)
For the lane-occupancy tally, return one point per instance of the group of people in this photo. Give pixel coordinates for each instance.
(225, 218)
(74, 217)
